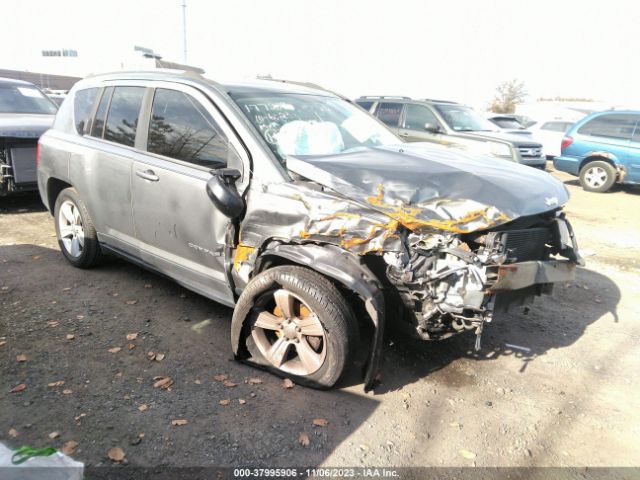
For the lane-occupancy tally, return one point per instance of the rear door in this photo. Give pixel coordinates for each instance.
(102, 172)
(180, 232)
(415, 121)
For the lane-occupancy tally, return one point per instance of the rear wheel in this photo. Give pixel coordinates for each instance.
(298, 325)
(597, 176)
(75, 231)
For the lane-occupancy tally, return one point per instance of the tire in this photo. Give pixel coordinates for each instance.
(72, 219)
(597, 176)
(317, 307)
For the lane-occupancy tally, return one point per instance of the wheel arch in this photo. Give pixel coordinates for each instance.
(54, 187)
(599, 157)
(345, 268)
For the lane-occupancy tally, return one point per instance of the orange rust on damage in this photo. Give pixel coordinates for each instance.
(242, 255)
(389, 228)
(407, 216)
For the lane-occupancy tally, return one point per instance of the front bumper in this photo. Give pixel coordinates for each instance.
(536, 162)
(515, 276)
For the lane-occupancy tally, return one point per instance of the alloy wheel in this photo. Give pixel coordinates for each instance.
(595, 177)
(71, 228)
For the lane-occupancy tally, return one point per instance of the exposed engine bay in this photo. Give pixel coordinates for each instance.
(449, 281)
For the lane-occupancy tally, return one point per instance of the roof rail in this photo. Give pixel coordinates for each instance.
(439, 101)
(303, 84)
(383, 96)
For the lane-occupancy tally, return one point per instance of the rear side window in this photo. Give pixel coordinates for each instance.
(97, 129)
(181, 128)
(610, 126)
(82, 104)
(417, 116)
(389, 113)
(122, 120)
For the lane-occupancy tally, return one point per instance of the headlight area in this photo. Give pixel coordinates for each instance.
(454, 283)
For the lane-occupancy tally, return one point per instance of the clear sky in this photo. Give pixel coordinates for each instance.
(457, 50)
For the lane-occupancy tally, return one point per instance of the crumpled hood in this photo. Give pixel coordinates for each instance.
(22, 125)
(423, 186)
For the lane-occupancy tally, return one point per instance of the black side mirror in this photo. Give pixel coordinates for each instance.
(221, 188)
(432, 128)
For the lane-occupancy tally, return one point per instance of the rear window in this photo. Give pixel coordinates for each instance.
(82, 104)
(610, 126)
(389, 113)
(122, 120)
(24, 99)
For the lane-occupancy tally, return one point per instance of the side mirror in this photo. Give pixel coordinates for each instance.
(432, 128)
(221, 188)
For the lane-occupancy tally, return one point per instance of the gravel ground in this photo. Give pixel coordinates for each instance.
(569, 399)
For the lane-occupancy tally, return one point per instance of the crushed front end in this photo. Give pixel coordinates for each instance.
(451, 283)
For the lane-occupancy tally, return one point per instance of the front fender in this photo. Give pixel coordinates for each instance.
(350, 271)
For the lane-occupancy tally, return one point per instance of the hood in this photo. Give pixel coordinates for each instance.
(23, 125)
(518, 139)
(429, 187)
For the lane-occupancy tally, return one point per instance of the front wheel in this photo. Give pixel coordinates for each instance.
(297, 325)
(597, 176)
(75, 231)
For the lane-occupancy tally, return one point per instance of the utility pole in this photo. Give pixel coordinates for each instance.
(184, 31)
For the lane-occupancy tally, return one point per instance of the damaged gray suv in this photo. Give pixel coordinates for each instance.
(302, 211)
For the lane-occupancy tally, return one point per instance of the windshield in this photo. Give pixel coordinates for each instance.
(24, 99)
(298, 124)
(464, 119)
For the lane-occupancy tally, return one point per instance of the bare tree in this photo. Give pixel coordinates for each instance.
(508, 94)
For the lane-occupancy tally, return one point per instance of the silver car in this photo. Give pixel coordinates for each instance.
(302, 211)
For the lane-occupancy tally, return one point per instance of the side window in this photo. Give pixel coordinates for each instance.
(389, 113)
(82, 104)
(365, 104)
(122, 120)
(610, 126)
(97, 129)
(181, 128)
(636, 133)
(417, 116)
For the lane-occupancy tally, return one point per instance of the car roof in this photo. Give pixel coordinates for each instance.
(13, 81)
(246, 86)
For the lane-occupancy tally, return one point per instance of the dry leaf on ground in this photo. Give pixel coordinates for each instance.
(53, 435)
(13, 433)
(131, 346)
(229, 383)
(80, 416)
(67, 391)
(303, 439)
(116, 454)
(131, 302)
(225, 402)
(70, 336)
(159, 357)
(21, 358)
(221, 377)
(56, 384)
(2, 343)
(287, 383)
(132, 336)
(66, 289)
(162, 382)
(143, 407)
(115, 349)
(18, 388)
(178, 422)
(467, 454)
(69, 447)
(320, 422)
(197, 382)
(242, 401)
(254, 381)
(53, 323)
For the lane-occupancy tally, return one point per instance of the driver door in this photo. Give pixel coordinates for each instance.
(412, 128)
(180, 231)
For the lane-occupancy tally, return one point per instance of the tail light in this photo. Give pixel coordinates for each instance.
(566, 141)
(38, 154)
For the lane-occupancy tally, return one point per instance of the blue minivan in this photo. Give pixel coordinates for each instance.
(603, 149)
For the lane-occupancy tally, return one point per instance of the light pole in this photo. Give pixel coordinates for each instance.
(184, 31)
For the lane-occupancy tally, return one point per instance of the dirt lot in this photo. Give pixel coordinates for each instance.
(571, 399)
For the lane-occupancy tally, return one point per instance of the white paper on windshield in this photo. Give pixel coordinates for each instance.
(29, 92)
(309, 138)
(360, 127)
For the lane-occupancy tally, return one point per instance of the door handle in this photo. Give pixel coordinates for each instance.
(148, 175)
(403, 134)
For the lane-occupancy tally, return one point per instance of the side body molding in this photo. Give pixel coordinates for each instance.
(345, 268)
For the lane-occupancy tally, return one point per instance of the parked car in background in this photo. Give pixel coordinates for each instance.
(603, 149)
(550, 135)
(25, 114)
(450, 123)
(295, 206)
(507, 123)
